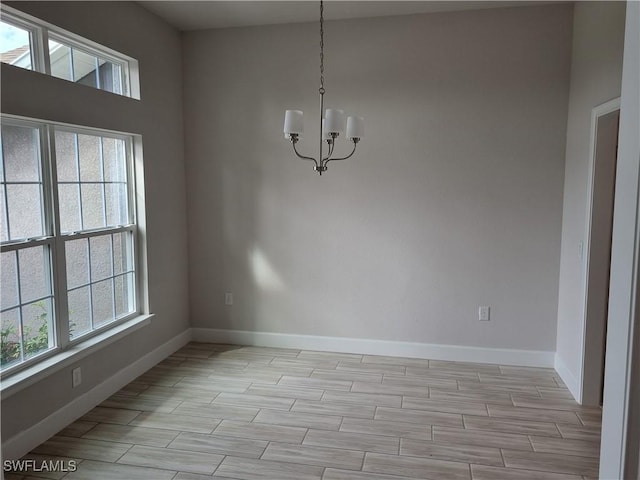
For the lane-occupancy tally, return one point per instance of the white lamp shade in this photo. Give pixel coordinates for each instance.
(325, 133)
(335, 120)
(293, 122)
(355, 127)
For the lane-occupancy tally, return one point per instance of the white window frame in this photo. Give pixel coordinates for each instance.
(59, 341)
(40, 32)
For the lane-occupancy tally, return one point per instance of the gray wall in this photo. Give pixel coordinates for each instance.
(453, 200)
(130, 29)
(596, 73)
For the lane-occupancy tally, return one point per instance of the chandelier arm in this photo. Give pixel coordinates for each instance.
(344, 158)
(302, 156)
(331, 146)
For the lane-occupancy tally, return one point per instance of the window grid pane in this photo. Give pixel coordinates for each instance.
(28, 325)
(66, 158)
(70, 207)
(4, 227)
(21, 183)
(60, 60)
(16, 47)
(21, 151)
(77, 157)
(102, 302)
(34, 268)
(25, 215)
(84, 67)
(9, 277)
(79, 301)
(11, 341)
(77, 260)
(36, 331)
(104, 193)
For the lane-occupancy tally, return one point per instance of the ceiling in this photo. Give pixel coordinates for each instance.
(197, 15)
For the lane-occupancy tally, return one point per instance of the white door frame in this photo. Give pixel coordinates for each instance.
(588, 382)
(619, 449)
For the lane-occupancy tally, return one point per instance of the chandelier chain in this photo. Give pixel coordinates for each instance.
(321, 90)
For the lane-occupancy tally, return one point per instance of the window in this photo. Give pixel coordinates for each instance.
(30, 43)
(16, 47)
(80, 65)
(68, 236)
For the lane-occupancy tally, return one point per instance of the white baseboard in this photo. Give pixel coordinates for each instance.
(22, 443)
(502, 356)
(568, 378)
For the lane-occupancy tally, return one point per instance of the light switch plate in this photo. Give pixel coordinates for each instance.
(76, 377)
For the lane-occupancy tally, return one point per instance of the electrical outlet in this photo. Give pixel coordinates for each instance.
(76, 377)
(228, 298)
(484, 314)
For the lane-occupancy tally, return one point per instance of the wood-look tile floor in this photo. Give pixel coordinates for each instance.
(231, 412)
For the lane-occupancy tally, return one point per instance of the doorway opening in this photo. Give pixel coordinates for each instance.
(604, 152)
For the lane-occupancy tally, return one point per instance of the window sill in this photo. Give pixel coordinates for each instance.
(41, 370)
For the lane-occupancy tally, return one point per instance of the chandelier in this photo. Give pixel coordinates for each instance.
(332, 124)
